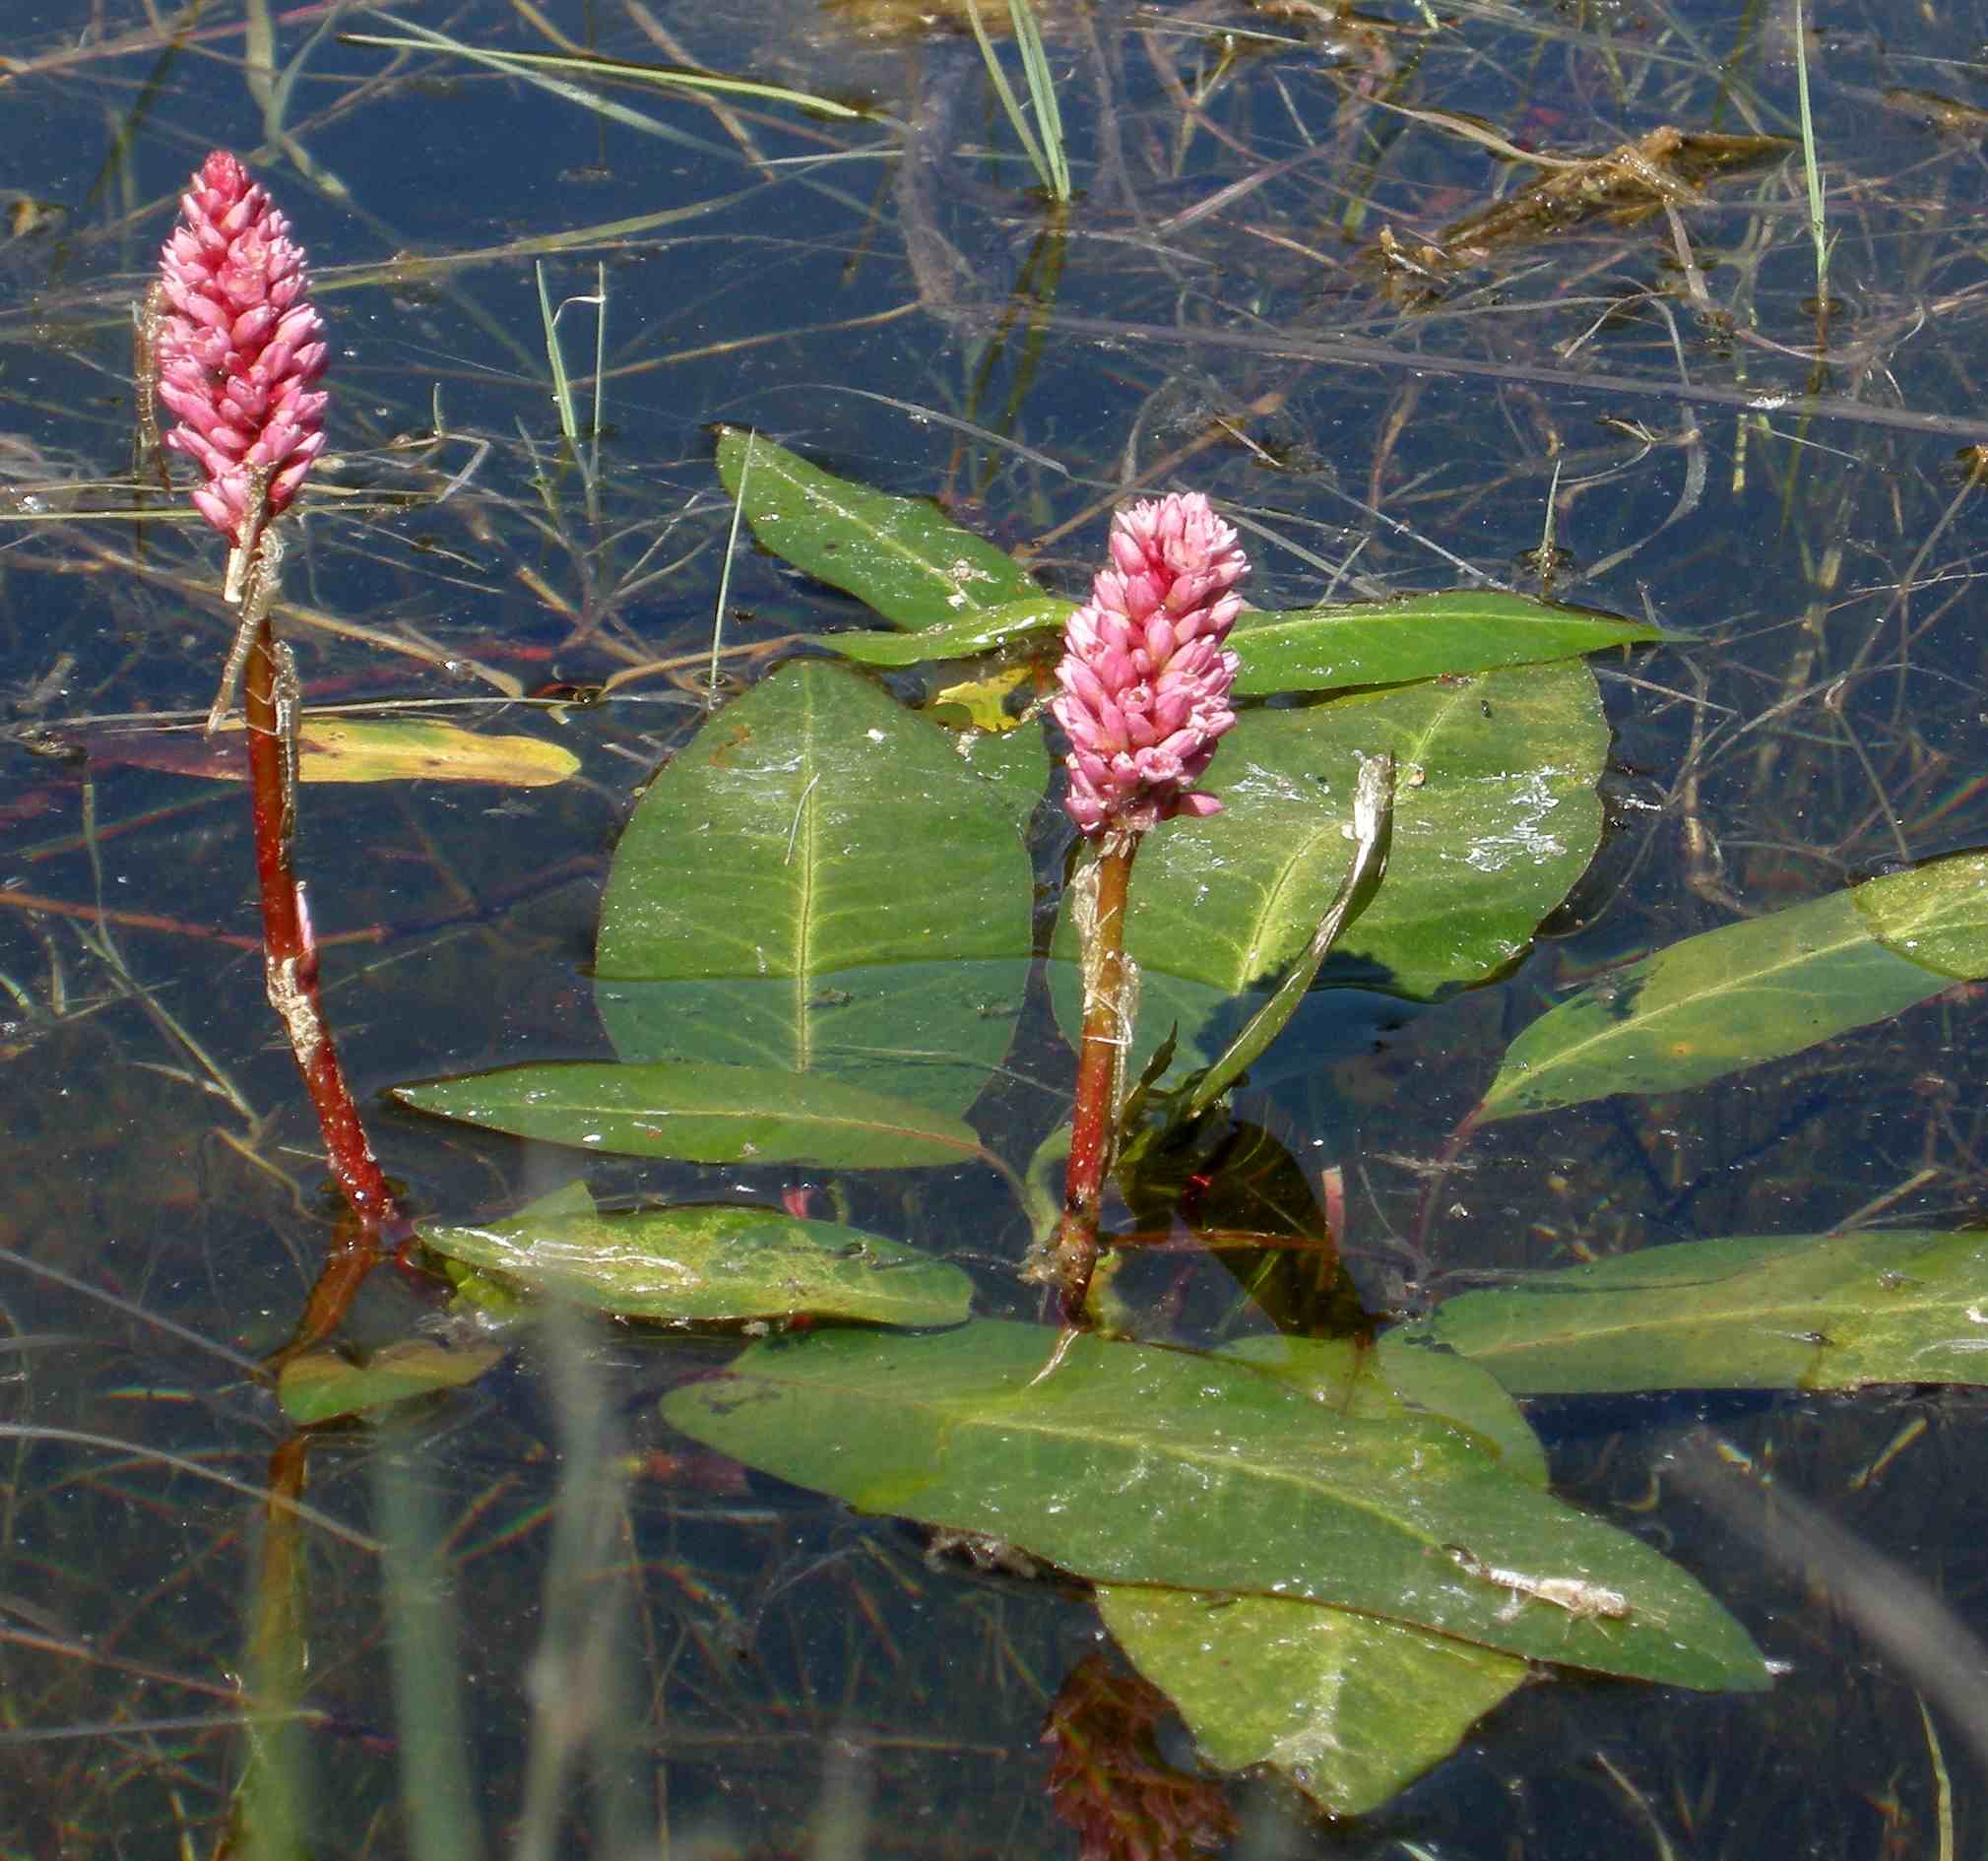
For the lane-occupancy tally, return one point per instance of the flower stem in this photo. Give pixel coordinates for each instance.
(290, 958)
(1107, 1026)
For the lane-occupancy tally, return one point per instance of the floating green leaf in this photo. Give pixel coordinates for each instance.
(1347, 1707)
(1753, 991)
(972, 633)
(1387, 643)
(707, 1113)
(1394, 1376)
(322, 1385)
(1371, 826)
(701, 1264)
(1128, 1465)
(1495, 819)
(817, 881)
(1810, 1311)
(902, 556)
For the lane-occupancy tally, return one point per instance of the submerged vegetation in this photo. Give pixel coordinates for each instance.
(1540, 1110)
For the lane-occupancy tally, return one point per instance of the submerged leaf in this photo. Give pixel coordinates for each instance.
(322, 1385)
(704, 1264)
(1130, 1465)
(1347, 1707)
(1753, 991)
(817, 881)
(1810, 1311)
(902, 556)
(701, 1115)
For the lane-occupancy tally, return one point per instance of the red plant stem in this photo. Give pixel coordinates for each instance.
(1093, 1117)
(289, 961)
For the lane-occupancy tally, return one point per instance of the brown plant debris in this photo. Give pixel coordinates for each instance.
(1111, 1784)
(1667, 167)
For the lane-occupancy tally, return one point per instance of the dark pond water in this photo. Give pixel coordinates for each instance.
(542, 1623)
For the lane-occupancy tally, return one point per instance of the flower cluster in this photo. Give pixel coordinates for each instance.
(239, 349)
(1145, 680)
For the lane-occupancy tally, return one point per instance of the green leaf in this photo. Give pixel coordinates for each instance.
(320, 1386)
(1753, 991)
(1396, 1375)
(972, 633)
(701, 1264)
(902, 556)
(1347, 1707)
(701, 1115)
(1425, 636)
(817, 881)
(1495, 819)
(1014, 764)
(1937, 914)
(1371, 828)
(1128, 1465)
(1810, 1311)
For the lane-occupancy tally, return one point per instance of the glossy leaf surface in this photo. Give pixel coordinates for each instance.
(701, 1115)
(1755, 991)
(1807, 1312)
(1495, 819)
(1423, 636)
(1130, 1464)
(818, 882)
(902, 556)
(972, 633)
(1349, 1708)
(707, 1263)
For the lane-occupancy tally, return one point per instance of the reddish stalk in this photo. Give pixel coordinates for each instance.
(1145, 683)
(290, 958)
(1093, 1117)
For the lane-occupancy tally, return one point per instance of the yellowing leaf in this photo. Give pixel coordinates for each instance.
(407, 749)
(981, 698)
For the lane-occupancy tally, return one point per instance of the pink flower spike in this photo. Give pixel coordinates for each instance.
(238, 348)
(1145, 678)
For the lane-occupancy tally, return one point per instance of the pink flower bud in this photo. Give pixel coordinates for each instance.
(1145, 680)
(240, 346)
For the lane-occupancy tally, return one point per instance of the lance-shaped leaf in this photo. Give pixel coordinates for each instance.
(972, 633)
(1808, 1312)
(817, 881)
(1317, 649)
(1495, 819)
(695, 1265)
(902, 556)
(1755, 991)
(1128, 1464)
(1423, 636)
(701, 1115)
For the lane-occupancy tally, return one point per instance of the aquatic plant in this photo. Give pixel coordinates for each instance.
(230, 341)
(1145, 698)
